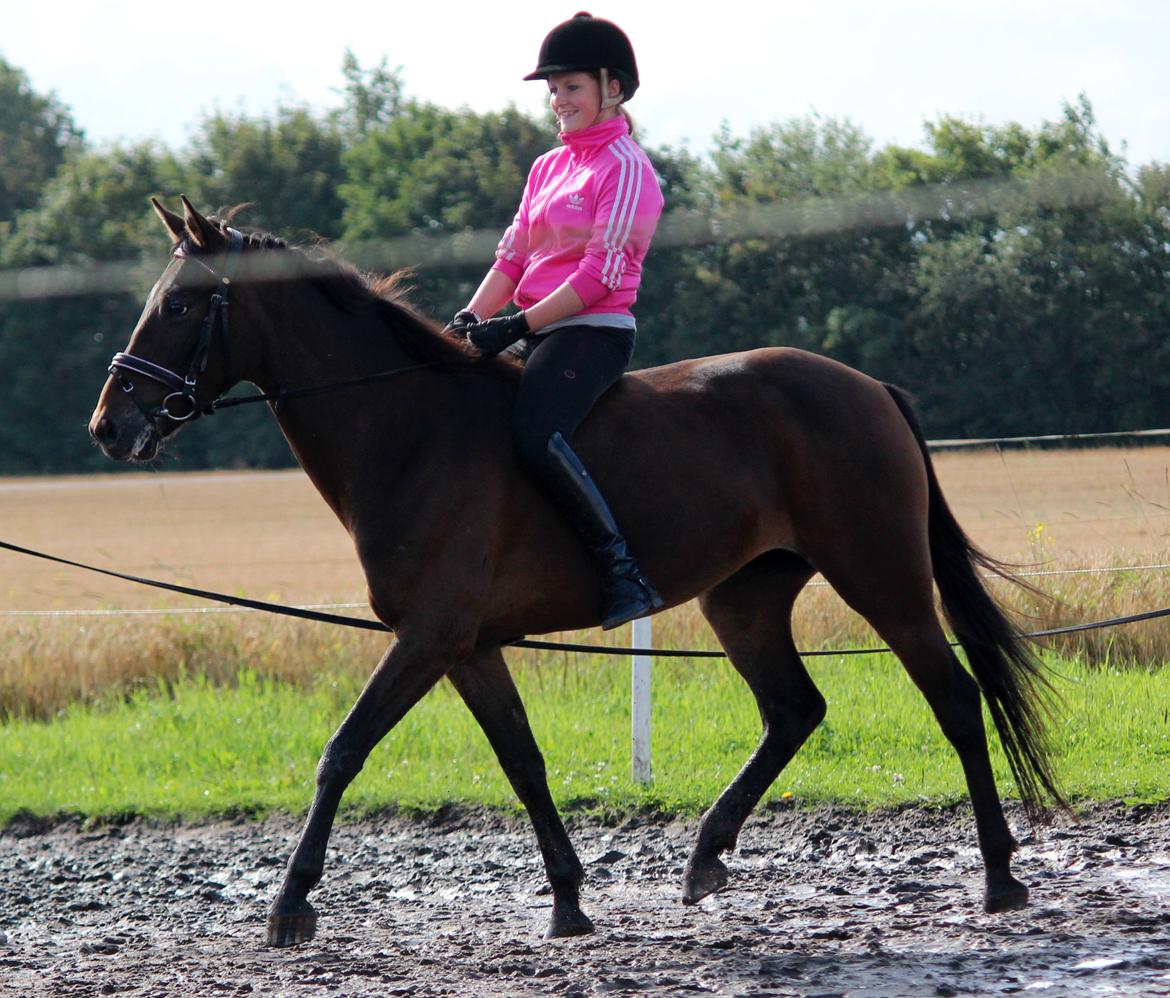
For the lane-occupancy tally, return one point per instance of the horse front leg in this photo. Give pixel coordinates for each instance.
(407, 671)
(486, 686)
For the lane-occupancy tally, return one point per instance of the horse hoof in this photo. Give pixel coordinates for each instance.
(290, 928)
(703, 879)
(568, 922)
(1009, 897)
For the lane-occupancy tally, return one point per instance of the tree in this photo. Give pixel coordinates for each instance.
(431, 173)
(805, 157)
(801, 283)
(57, 349)
(373, 97)
(431, 170)
(1016, 279)
(287, 167)
(36, 133)
(1028, 320)
(96, 208)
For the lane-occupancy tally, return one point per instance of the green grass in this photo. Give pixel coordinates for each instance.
(194, 748)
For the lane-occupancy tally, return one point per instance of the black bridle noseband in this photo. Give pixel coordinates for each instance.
(180, 404)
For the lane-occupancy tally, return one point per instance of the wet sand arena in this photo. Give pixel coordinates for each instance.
(822, 902)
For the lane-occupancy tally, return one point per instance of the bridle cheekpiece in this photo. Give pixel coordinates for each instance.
(180, 404)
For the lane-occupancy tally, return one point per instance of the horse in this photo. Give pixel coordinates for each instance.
(736, 478)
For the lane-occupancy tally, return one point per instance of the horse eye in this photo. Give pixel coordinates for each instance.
(177, 309)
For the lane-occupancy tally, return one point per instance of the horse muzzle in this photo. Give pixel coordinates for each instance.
(125, 437)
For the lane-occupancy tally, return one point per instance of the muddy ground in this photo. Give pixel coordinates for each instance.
(823, 902)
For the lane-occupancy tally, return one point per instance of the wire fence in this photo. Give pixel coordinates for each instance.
(1058, 439)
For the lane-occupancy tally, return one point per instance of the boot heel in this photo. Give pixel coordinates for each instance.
(637, 598)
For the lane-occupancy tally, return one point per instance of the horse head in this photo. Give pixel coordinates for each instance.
(179, 358)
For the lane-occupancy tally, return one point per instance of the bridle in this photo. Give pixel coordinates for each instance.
(181, 404)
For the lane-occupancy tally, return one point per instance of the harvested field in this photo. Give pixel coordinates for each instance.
(268, 534)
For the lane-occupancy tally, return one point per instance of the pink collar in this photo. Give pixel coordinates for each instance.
(596, 136)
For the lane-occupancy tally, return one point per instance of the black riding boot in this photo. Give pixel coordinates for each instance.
(625, 592)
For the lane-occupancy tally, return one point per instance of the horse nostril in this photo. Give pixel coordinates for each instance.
(103, 431)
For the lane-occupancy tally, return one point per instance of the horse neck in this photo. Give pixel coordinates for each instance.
(309, 341)
(306, 340)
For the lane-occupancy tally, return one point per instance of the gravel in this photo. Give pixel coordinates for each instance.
(822, 902)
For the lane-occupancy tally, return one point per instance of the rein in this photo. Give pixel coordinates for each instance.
(331, 386)
(302, 613)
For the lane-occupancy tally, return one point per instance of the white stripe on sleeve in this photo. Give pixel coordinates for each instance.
(621, 222)
(616, 219)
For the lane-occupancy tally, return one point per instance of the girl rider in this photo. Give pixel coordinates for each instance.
(571, 261)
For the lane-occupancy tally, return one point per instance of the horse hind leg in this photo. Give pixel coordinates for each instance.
(751, 615)
(894, 594)
(954, 698)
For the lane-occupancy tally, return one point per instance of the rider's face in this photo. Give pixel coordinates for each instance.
(575, 98)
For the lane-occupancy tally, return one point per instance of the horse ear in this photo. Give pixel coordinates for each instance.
(202, 233)
(175, 225)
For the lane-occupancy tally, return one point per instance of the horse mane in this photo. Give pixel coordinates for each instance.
(358, 293)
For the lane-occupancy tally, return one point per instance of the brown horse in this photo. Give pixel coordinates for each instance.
(736, 478)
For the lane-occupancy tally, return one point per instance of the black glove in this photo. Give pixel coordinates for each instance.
(494, 335)
(463, 319)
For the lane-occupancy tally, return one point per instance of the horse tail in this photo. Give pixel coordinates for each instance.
(1010, 676)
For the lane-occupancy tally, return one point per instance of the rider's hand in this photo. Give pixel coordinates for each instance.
(464, 318)
(494, 335)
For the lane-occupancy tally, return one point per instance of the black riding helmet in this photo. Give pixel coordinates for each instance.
(585, 42)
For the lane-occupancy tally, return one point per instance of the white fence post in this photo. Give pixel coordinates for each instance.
(640, 703)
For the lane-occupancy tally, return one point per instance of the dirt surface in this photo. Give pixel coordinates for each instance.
(824, 902)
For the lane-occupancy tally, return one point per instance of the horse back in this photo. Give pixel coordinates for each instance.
(746, 452)
(732, 410)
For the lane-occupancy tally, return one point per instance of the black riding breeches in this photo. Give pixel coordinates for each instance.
(566, 372)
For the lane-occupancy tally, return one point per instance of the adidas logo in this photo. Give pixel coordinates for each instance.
(576, 201)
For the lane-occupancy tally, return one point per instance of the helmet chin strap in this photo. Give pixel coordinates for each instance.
(606, 100)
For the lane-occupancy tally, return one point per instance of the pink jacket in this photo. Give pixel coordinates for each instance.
(589, 211)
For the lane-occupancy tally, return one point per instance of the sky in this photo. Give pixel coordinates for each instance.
(131, 70)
